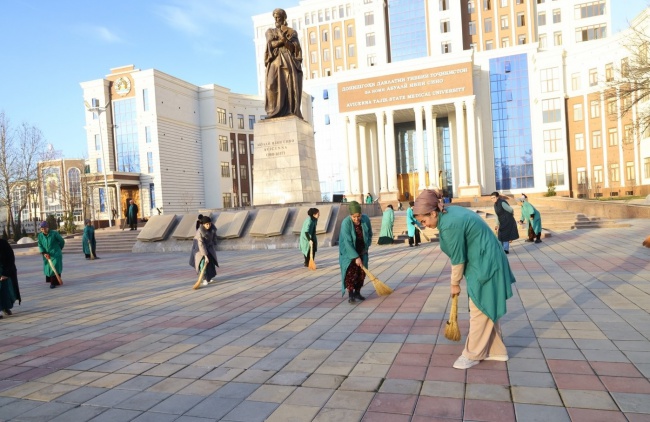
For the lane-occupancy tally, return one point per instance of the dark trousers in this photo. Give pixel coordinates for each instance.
(307, 256)
(532, 235)
(417, 238)
(133, 224)
(52, 279)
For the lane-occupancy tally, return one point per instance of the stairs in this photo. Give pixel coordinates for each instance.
(399, 229)
(109, 240)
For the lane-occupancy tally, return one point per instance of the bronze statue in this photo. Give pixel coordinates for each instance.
(283, 61)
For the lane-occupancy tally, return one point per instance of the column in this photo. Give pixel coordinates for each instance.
(419, 139)
(381, 146)
(346, 157)
(117, 204)
(354, 156)
(391, 165)
(461, 161)
(471, 143)
(432, 140)
(363, 152)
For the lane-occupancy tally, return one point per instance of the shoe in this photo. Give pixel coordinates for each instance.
(357, 295)
(464, 363)
(411, 246)
(52, 285)
(7, 311)
(529, 240)
(538, 241)
(204, 283)
(507, 252)
(352, 300)
(500, 358)
(87, 257)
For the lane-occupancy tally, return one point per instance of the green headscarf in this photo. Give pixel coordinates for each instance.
(354, 207)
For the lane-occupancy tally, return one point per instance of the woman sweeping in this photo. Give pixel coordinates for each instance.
(88, 242)
(354, 240)
(476, 253)
(50, 245)
(386, 232)
(203, 250)
(308, 239)
(530, 215)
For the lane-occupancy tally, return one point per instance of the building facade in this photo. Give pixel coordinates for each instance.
(171, 146)
(469, 96)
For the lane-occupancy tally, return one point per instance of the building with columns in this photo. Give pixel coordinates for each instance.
(468, 96)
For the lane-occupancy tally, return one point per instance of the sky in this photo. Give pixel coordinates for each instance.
(47, 48)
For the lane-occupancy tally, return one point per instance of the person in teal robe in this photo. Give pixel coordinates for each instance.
(369, 198)
(132, 215)
(50, 245)
(386, 232)
(9, 291)
(476, 254)
(355, 238)
(88, 242)
(308, 238)
(530, 215)
(412, 226)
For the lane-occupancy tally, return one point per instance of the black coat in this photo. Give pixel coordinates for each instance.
(8, 260)
(507, 225)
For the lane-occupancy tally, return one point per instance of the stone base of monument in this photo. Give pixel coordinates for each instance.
(285, 169)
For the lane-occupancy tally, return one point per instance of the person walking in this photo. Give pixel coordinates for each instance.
(9, 290)
(88, 242)
(412, 226)
(354, 241)
(50, 245)
(204, 250)
(530, 215)
(369, 198)
(506, 227)
(308, 238)
(132, 215)
(386, 232)
(476, 254)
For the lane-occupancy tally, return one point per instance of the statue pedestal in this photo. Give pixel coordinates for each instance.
(285, 169)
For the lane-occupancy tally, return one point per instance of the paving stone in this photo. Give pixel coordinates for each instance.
(251, 411)
(585, 399)
(487, 392)
(305, 396)
(443, 389)
(177, 404)
(293, 413)
(541, 413)
(361, 384)
(633, 403)
(536, 395)
(44, 412)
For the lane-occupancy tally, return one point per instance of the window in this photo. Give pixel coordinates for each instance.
(596, 139)
(470, 6)
(223, 143)
(350, 31)
(230, 123)
(554, 172)
(487, 27)
(100, 167)
(588, 10)
(241, 144)
(326, 94)
(147, 134)
(628, 134)
(593, 77)
(575, 81)
(505, 42)
(370, 39)
(372, 59)
(542, 41)
(444, 4)
(580, 142)
(551, 110)
(243, 172)
(244, 199)
(629, 171)
(504, 3)
(152, 196)
(251, 147)
(145, 99)
(625, 67)
(326, 55)
(102, 200)
(251, 122)
(472, 28)
(150, 161)
(612, 136)
(521, 20)
(369, 18)
(541, 19)
(312, 37)
(611, 106)
(577, 112)
(614, 173)
(320, 16)
(98, 143)
(314, 57)
(221, 116)
(582, 176)
(489, 45)
(487, 4)
(550, 79)
(325, 35)
(504, 22)
(557, 16)
(552, 140)
(588, 33)
(337, 52)
(234, 172)
(646, 167)
(598, 174)
(232, 150)
(446, 47)
(521, 40)
(609, 72)
(519, 1)
(351, 50)
(240, 119)
(225, 169)
(337, 32)
(444, 26)
(557, 38)
(594, 108)
(327, 119)
(227, 200)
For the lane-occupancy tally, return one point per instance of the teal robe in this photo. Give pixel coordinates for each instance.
(527, 209)
(386, 233)
(369, 199)
(347, 240)
(51, 244)
(88, 240)
(411, 222)
(309, 226)
(467, 239)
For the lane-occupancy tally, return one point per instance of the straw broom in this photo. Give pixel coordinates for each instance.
(312, 264)
(381, 288)
(90, 249)
(423, 235)
(646, 242)
(198, 281)
(452, 332)
(58, 277)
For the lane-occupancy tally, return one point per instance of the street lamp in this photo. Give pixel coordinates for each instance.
(99, 111)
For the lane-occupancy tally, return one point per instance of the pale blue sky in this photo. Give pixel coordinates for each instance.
(49, 47)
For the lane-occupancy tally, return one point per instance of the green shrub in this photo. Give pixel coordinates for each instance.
(550, 189)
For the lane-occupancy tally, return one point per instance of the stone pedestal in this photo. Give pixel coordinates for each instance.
(469, 191)
(285, 169)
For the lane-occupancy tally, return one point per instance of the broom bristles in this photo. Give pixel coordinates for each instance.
(312, 263)
(646, 242)
(452, 332)
(381, 288)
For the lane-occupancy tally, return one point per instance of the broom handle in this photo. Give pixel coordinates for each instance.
(198, 281)
(90, 248)
(58, 277)
(423, 235)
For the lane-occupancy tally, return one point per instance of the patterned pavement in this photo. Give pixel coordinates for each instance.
(127, 339)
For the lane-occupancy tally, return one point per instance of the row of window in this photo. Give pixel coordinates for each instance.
(328, 14)
(504, 20)
(221, 119)
(614, 173)
(541, 17)
(337, 53)
(505, 42)
(225, 170)
(228, 197)
(487, 4)
(325, 34)
(612, 136)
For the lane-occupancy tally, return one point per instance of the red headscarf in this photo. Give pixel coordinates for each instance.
(428, 200)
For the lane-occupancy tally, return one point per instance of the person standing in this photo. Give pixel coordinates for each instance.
(50, 245)
(412, 226)
(88, 242)
(204, 250)
(132, 215)
(308, 240)
(344, 199)
(386, 232)
(354, 241)
(476, 254)
(506, 227)
(530, 215)
(369, 198)
(9, 290)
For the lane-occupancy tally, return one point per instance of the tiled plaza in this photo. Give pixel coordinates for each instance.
(127, 339)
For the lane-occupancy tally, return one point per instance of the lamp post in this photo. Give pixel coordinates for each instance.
(99, 111)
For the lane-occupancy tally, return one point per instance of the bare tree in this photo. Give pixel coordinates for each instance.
(8, 165)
